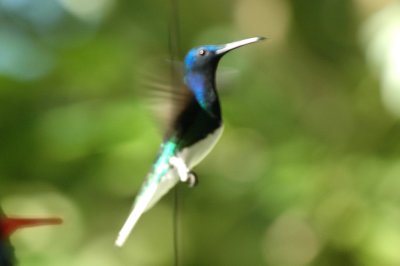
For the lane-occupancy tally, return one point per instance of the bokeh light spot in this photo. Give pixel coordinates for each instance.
(290, 241)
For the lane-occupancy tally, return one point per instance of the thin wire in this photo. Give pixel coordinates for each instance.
(176, 225)
(174, 30)
(174, 51)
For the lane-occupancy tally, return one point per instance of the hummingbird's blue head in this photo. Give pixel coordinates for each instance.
(206, 57)
(202, 58)
(200, 65)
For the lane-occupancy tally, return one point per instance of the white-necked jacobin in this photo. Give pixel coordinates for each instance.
(194, 131)
(8, 226)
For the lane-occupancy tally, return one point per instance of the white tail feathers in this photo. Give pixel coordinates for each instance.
(138, 209)
(151, 192)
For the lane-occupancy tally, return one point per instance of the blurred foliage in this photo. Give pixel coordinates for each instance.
(306, 173)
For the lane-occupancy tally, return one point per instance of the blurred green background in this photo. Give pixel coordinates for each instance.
(306, 173)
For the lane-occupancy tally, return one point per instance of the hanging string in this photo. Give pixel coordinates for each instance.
(174, 52)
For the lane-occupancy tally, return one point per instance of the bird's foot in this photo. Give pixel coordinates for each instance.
(193, 180)
(185, 175)
(180, 167)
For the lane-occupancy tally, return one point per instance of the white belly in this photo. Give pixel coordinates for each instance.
(197, 152)
(191, 156)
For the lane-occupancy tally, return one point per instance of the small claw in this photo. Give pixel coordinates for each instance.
(193, 180)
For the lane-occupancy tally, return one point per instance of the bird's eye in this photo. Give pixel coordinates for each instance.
(202, 52)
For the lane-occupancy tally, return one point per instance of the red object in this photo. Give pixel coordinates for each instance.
(10, 225)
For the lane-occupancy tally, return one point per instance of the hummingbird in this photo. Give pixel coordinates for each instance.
(8, 226)
(194, 130)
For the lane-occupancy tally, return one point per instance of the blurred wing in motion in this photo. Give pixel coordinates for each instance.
(165, 93)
